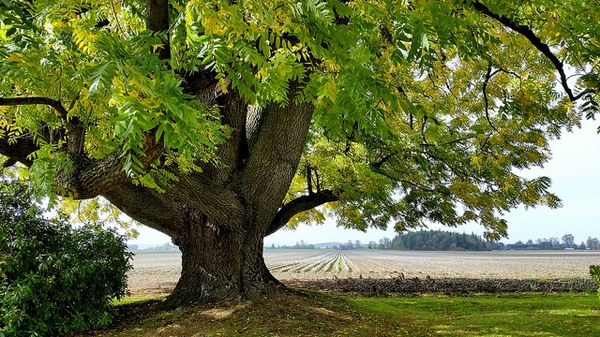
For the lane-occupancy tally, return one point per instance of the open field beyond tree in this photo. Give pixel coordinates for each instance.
(157, 273)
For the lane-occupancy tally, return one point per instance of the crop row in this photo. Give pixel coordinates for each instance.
(333, 262)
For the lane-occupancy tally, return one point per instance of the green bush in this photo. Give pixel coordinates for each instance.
(595, 273)
(55, 278)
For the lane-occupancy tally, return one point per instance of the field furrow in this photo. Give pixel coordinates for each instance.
(330, 266)
(323, 265)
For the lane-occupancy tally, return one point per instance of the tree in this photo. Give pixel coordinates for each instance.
(220, 122)
(437, 240)
(592, 243)
(568, 240)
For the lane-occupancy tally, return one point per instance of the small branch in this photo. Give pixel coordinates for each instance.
(317, 181)
(423, 130)
(535, 41)
(309, 179)
(380, 162)
(488, 75)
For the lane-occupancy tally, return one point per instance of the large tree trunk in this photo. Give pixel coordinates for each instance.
(220, 264)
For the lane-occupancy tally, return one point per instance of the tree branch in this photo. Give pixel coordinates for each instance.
(535, 41)
(16, 101)
(18, 150)
(72, 124)
(488, 76)
(219, 204)
(92, 177)
(275, 148)
(157, 20)
(150, 207)
(298, 205)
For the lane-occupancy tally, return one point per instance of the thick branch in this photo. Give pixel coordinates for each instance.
(221, 205)
(150, 207)
(275, 147)
(535, 41)
(15, 101)
(299, 205)
(92, 177)
(157, 20)
(18, 150)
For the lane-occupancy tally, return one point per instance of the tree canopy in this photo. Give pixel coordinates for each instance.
(387, 112)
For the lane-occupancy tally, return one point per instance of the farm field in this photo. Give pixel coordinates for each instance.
(156, 273)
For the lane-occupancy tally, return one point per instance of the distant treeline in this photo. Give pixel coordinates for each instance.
(566, 242)
(435, 240)
(165, 246)
(444, 240)
(298, 245)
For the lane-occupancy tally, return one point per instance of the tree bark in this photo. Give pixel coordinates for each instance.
(220, 263)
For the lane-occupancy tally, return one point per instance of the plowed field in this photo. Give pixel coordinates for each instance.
(158, 272)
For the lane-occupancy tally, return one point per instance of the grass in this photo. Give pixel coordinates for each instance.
(132, 300)
(307, 313)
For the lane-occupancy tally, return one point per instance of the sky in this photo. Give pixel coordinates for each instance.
(575, 173)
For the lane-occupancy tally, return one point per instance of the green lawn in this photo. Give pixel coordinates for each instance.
(304, 313)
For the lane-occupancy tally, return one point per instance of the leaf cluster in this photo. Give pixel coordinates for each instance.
(595, 274)
(436, 121)
(110, 80)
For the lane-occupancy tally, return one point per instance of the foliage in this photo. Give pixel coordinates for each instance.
(54, 278)
(595, 274)
(424, 111)
(592, 243)
(438, 240)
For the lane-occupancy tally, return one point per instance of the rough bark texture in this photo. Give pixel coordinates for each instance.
(220, 264)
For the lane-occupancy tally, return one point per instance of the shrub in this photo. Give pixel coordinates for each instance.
(55, 278)
(595, 273)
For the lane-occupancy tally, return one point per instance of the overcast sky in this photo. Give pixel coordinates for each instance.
(575, 173)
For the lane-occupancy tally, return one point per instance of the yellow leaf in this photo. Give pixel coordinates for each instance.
(15, 57)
